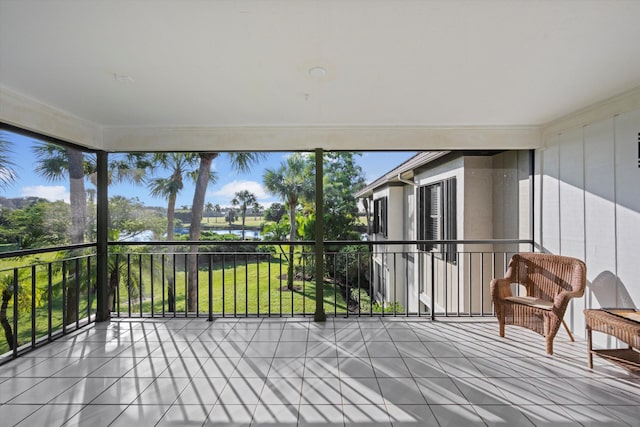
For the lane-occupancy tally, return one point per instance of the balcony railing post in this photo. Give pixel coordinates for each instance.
(433, 288)
(320, 315)
(103, 311)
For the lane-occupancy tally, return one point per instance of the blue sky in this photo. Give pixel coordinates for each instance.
(229, 181)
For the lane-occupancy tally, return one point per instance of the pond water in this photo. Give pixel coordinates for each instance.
(248, 234)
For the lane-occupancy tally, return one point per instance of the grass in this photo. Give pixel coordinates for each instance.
(251, 288)
(219, 222)
(41, 314)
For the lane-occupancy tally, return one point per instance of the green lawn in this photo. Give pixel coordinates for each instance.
(26, 299)
(254, 288)
(219, 222)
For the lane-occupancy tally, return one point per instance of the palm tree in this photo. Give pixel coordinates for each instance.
(217, 210)
(7, 167)
(179, 165)
(257, 207)
(208, 208)
(292, 183)
(244, 199)
(55, 162)
(241, 162)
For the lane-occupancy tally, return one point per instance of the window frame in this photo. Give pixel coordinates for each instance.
(441, 225)
(380, 219)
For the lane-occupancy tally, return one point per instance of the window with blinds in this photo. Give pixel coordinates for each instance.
(437, 217)
(380, 216)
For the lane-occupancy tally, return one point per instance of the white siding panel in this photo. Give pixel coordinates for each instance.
(571, 198)
(524, 199)
(551, 200)
(600, 238)
(537, 199)
(627, 128)
(571, 169)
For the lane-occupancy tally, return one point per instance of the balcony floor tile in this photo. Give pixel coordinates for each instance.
(391, 372)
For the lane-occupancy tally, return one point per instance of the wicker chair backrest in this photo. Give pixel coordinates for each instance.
(545, 276)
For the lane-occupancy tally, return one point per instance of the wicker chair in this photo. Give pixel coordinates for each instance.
(550, 282)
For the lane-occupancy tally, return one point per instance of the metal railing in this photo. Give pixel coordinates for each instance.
(48, 298)
(47, 293)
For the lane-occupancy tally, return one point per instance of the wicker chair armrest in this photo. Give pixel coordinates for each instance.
(562, 299)
(500, 288)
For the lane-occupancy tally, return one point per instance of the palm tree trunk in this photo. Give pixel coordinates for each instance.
(194, 230)
(171, 209)
(292, 238)
(244, 214)
(77, 198)
(6, 325)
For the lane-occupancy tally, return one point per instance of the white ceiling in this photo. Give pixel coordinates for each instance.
(243, 63)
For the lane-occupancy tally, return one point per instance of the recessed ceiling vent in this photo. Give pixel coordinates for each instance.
(123, 78)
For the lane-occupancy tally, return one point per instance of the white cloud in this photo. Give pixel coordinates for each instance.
(52, 193)
(229, 190)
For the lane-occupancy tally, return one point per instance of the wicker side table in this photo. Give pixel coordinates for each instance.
(625, 330)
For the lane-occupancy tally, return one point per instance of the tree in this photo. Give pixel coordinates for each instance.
(256, 207)
(230, 216)
(208, 208)
(291, 182)
(244, 199)
(343, 177)
(7, 166)
(217, 210)
(55, 162)
(240, 161)
(130, 218)
(274, 212)
(179, 165)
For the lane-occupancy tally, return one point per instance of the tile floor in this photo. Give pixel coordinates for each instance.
(294, 372)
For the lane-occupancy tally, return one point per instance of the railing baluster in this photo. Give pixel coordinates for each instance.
(64, 297)
(235, 286)
(395, 285)
(162, 261)
(197, 285)
(152, 273)
(335, 285)
(76, 281)
(89, 290)
(33, 306)
(15, 312)
(246, 285)
(50, 301)
(458, 261)
(116, 301)
(140, 288)
(371, 280)
(224, 301)
(406, 284)
(269, 282)
(280, 315)
(258, 285)
(481, 283)
(433, 288)
(186, 285)
(210, 318)
(359, 283)
(470, 288)
(129, 284)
